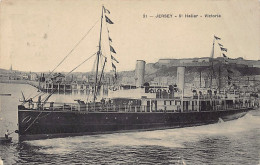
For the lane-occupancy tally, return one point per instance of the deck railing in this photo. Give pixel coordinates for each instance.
(98, 107)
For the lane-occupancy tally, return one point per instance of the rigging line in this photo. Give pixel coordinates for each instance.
(30, 95)
(48, 94)
(91, 91)
(47, 98)
(42, 93)
(102, 73)
(37, 95)
(38, 114)
(81, 63)
(93, 67)
(73, 48)
(103, 67)
(33, 121)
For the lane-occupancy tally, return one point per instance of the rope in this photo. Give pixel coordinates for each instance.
(41, 111)
(38, 94)
(33, 122)
(73, 48)
(81, 64)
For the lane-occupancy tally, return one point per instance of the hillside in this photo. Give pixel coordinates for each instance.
(153, 70)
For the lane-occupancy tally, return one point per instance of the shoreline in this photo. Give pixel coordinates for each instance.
(15, 81)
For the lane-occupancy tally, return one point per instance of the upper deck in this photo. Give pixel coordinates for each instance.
(175, 104)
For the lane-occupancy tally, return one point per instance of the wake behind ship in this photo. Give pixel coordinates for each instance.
(129, 108)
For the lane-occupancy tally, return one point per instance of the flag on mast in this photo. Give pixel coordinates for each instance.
(113, 65)
(112, 49)
(108, 20)
(106, 10)
(113, 58)
(223, 49)
(220, 45)
(110, 39)
(217, 38)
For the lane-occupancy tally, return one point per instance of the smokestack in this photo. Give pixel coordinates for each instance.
(139, 73)
(181, 77)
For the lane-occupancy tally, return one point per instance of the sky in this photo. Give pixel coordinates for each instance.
(37, 35)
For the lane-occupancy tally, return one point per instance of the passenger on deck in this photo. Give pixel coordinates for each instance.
(130, 103)
(102, 101)
(51, 105)
(39, 103)
(30, 103)
(7, 134)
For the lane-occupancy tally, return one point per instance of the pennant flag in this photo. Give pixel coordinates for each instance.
(108, 20)
(224, 49)
(224, 55)
(220, 45)
(106, 10)
(112, 49)
(110, 39)
(217, 38)
(113, 58)
(113, 66)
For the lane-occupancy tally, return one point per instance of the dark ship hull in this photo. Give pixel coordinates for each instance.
(37, 124)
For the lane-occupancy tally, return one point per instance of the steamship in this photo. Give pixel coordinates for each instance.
(141, 107)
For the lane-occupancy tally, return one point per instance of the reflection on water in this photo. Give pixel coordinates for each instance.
(233, 142)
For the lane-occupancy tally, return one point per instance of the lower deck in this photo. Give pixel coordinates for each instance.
(46, 124)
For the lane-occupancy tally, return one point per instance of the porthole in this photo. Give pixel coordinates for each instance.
(115, 117)
(136, 117)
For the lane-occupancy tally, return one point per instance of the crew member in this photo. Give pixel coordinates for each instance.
(7, 134)
(30, 103)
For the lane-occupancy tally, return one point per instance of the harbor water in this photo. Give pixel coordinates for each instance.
(233, 142)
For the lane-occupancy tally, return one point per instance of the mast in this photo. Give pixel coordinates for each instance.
(200, 78)
(212, 69)
(219, 78)
(98, 54)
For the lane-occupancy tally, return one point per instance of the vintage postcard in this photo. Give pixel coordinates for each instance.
(129, 82)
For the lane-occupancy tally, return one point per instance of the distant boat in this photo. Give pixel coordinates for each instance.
(4, 94)
(4, 140)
